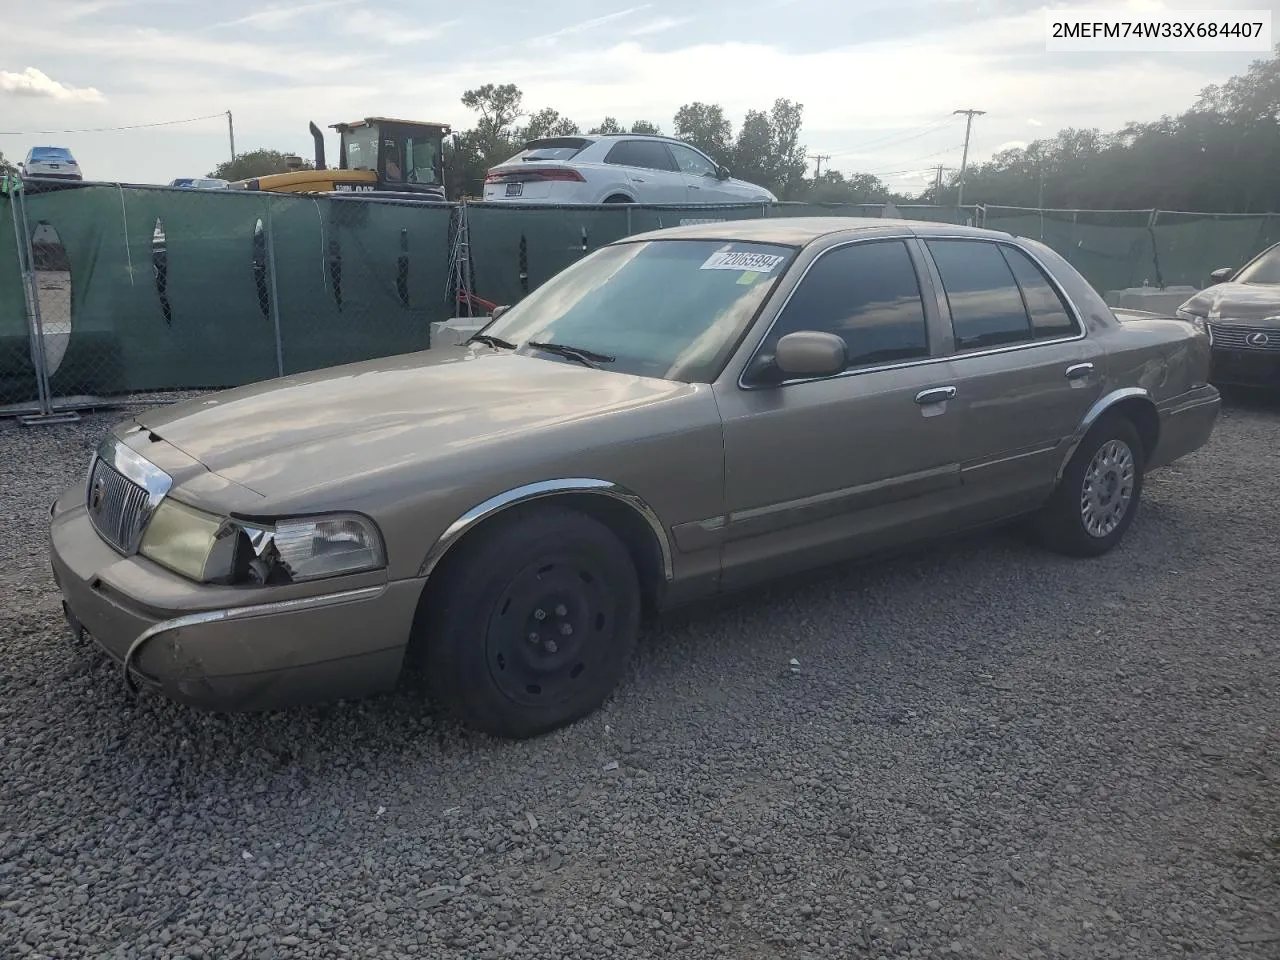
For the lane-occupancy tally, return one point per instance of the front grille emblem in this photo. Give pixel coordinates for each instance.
(97, 495)
(1258, 339)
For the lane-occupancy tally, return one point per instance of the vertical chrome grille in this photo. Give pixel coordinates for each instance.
(118, 507)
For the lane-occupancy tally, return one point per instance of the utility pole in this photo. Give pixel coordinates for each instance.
(819, 158)
(964, 160)
(231, 132)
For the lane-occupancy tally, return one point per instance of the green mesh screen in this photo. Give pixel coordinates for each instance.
(1189, 246)
(357, 279)
(1111, 249)
(17, 372)
(514, 249)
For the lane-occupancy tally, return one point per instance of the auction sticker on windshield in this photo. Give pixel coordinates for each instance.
(742, 260)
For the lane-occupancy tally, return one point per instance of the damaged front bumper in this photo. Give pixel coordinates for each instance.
(229, 648)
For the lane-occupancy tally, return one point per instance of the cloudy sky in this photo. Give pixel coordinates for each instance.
(879, 78)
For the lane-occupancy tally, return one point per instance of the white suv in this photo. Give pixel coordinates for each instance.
(616, 168)
(55, 162)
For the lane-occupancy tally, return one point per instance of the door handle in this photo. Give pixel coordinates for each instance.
(936, 395)
(1079, 371)
(694, 186)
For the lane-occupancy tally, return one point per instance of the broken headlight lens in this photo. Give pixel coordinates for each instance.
(315, 547)
(212, 549)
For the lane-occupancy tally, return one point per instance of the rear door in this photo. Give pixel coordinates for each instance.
(651, 169)
(1026, 374)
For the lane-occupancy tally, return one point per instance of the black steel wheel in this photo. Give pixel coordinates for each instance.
(529, 623)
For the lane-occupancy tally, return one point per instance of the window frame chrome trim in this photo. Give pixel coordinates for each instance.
(939, 292)
(541, 490)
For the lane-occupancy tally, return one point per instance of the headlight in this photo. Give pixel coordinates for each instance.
(182, 538)
(1195, 319)
(212, 549)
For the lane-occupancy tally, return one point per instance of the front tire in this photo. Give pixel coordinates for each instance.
(530, 623)
(1098, 496)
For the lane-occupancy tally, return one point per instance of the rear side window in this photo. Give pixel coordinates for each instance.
(987, 309)
(868, 294)
(1050, 316)
(649, 154)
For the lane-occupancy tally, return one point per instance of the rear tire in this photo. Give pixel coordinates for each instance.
(1099, 493)
(618, 198)
(530, 623)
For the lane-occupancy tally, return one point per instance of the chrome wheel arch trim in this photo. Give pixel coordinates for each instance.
(1100, 406)
(541, 490)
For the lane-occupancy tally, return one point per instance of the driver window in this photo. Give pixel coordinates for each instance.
(866, 293)
(391, 151)
(692, 162)
(420, 160)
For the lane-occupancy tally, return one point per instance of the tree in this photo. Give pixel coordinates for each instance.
(6, 166)
(705, 126)
(611, 125)
(547, 122)
(499, 107)
(256, 163)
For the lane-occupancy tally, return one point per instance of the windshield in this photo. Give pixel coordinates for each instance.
(673, 309)
(1265, 269)
(51, 155)
(360, 149)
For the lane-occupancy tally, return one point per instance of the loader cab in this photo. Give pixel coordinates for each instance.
(403, 156)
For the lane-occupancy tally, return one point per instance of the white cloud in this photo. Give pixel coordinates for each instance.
(1034, 122)
(275, 17)
(393, 30)
(584, 26)
(661, 25)
(35, 83)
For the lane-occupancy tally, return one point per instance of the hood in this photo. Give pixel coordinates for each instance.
(1238, 302)
(284, 436)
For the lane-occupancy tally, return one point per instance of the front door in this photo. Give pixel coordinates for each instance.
(820, 469)
(652, 170)
(700, 177)
(1025, 375)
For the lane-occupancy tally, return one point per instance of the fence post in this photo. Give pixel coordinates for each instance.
(275, 298)
(1155, 252)
(628, 220)
(31, 299)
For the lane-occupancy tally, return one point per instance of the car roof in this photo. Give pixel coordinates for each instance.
(801, 231)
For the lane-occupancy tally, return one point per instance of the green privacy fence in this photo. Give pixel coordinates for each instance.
(147, 289)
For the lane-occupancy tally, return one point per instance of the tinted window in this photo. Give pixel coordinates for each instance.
(866, 293)
(986, 305)
(1049, 314)
(650, 154)
(692, 162)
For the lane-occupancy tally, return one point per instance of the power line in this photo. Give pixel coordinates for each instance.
(132, 126)
(902, 136)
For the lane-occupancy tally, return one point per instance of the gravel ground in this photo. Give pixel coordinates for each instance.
(987, 751)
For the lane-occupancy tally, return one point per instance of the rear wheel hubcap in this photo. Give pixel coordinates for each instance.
(1108, 488)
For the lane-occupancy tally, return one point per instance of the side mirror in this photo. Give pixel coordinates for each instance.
(499, 311)
(809, 353)
(722, 172)
(1221, 275)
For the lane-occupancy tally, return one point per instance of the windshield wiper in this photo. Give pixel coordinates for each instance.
(490, 340)
(586, 357)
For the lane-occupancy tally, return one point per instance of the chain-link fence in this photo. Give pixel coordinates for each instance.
(109, 291)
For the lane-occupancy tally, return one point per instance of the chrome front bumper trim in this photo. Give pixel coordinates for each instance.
(238, 613)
